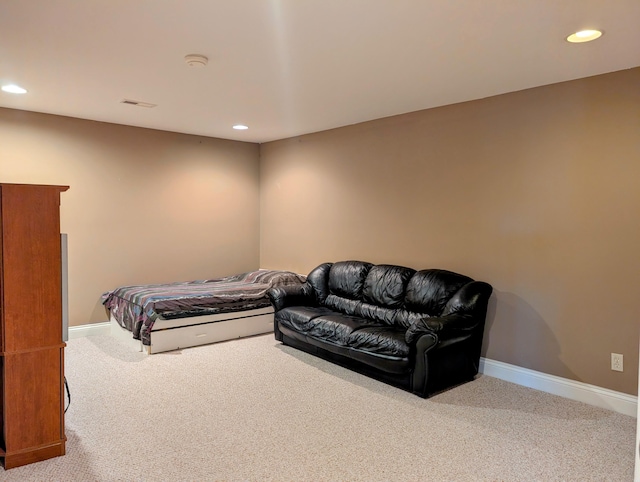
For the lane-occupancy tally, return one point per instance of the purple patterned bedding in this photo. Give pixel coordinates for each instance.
(137, 307)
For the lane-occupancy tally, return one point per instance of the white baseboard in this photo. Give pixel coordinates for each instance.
(582, 392)
(89, 330)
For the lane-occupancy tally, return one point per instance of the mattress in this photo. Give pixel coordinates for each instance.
(138, 307)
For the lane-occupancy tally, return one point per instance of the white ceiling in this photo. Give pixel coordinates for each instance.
(289, 67)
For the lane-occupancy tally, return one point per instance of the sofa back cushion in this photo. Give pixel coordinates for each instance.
(429, 290)
(385, 285)
(346, 279)
(387, 294)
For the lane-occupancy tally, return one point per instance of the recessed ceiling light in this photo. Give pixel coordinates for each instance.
(584, 36)
(14, 89)
(240, 127)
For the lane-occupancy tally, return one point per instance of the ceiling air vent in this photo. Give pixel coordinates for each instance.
(138, 103)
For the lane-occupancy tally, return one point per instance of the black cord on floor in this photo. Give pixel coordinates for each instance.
(66, 385)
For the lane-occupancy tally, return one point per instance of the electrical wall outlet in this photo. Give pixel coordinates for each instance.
(616, 362)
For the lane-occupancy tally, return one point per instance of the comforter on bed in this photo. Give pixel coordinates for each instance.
(137, 307)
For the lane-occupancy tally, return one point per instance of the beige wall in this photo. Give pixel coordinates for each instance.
(536, 192)
(143, 206)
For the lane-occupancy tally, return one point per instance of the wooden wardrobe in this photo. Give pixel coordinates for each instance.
(31, 340)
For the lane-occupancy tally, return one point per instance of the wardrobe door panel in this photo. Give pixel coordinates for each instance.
(32, 303)
(35, 402)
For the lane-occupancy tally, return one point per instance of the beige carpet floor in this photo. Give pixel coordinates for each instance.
(253, 409)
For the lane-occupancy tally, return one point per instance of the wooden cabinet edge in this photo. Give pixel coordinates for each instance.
(33, 454)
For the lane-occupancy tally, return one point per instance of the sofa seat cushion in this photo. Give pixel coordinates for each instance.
(336, 328)
(299, 317)
(381, 340)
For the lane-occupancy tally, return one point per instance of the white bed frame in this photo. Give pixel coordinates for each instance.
(168, 335)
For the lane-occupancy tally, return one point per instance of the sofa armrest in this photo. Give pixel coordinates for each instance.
(443, 327)
(291, 295)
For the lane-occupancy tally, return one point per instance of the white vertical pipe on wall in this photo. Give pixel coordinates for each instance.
(65, 287)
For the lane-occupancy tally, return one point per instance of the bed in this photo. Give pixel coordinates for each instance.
(164, 317)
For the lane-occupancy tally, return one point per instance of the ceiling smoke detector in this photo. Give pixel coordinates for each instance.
(195, 60)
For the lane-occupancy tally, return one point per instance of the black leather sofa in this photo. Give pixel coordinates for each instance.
(418, 330)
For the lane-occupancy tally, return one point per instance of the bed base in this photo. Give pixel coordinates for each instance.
(168, 335)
